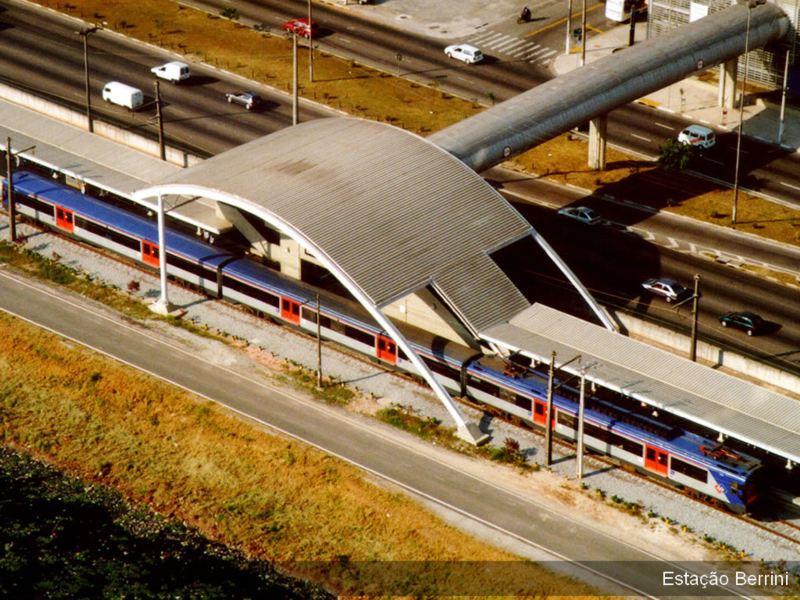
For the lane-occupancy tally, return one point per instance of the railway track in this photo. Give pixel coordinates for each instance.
(783, 529)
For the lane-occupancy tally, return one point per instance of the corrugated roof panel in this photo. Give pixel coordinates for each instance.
(733, 406)
(390, 209)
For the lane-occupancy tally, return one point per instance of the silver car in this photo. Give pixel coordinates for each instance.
(249, 100)
(669, 289)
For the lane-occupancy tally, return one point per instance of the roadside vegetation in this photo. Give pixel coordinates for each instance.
(64, 539)
(272, 498)
(365, 92)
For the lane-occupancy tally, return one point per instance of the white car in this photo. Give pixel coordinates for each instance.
(465, 53)
(583, 214)
(698, 135)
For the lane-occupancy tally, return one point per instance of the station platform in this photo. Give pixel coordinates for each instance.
(90, 159)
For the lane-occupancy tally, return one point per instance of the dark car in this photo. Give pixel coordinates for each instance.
(746, 321)
(249, 100)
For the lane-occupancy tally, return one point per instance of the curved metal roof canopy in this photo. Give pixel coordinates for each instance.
(385, 211)
(560, 104)
(386, 207)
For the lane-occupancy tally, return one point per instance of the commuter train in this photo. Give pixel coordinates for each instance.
(613, 426)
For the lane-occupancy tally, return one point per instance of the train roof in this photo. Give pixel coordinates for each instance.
(120, 219)
(620, 420)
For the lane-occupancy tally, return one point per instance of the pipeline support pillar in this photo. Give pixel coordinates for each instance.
(597, 142)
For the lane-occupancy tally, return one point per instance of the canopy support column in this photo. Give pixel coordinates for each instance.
(162, 305)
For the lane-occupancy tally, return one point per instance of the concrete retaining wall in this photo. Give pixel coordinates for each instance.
(709, 352)
(106, 130)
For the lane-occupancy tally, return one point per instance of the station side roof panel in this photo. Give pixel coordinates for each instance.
(390, 209)
(738, 408)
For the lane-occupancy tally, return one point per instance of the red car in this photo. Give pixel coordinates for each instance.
(300, 27)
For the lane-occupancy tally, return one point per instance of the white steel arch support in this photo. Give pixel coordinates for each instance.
(469, 432)
(598, 310)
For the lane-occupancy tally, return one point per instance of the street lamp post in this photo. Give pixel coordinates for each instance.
(750, 6)
(569, 27)
(85, 33)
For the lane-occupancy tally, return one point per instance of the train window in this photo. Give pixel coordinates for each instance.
(538, 408)
(401, 354)
(625, 444)
(564, 418)
(442, 369)
(190, 267)
(596, 432)
(311, 315)
(359, 336)
(507, 395)
(35, 204)
(249, 290)
(484, 386)
(110, 234)
(689, 470)
(523, 402)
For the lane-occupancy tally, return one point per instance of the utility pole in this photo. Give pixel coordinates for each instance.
(160, 118)
(583, 33)
(310, 46)
(695, 316)
(548, 432)
(783, 96)
(85, 33)
(294, 79)
(581, 408)
(12, 215)
(632, 30)
(319, 345)
(567, 42)
(750, 6)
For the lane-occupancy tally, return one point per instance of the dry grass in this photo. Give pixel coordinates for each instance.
(339, 83)
(274, 498)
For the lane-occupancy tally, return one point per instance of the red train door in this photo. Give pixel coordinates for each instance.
(65, 219)
(150, 253)
(290, 311)
(655, 460)
(386, 349)
(540, 413)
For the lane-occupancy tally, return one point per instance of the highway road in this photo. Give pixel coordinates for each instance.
(46, 55)
(196, 118)
(548, 532)
(765, 168)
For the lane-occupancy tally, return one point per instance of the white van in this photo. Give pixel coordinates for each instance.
(464, 52)
(123, 95)
(174, 71)
(697, 135)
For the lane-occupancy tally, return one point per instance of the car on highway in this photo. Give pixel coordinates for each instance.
(249, 100)
(465, 53)
(300, 27)
(747, 321)
(584, 214)
(174, 71)
(669, 289)
(699, 136)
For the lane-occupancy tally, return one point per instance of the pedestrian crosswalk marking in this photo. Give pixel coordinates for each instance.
(510, 45)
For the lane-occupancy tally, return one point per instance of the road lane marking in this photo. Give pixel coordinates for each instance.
(719, 162)
(662, 125)
(789, 185)
(641, 137)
